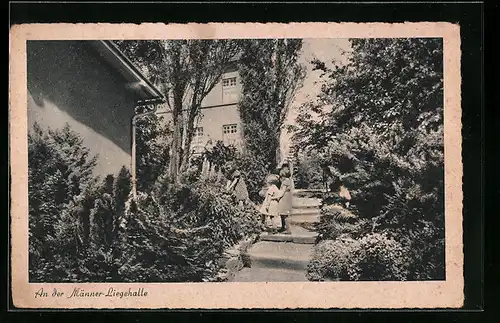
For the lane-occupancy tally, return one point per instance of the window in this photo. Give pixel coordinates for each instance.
(197, 137)
(229, 128)
(229, 82)
(229, 90)
(198, 132)
(230, 134)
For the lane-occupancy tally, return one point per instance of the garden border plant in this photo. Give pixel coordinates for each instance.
(175, 232)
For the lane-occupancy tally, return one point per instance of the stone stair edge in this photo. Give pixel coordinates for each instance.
(306, 212)
(305, 239)
(307, 207)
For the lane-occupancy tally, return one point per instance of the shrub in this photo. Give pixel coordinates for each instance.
(221, 155)
(416, 218)
(336, 221)
(334, 260)
(383, 133)
(153, 148)
(373, 257)
(254, 172)
(73, 216)
(61, 190)
(381, 258)
(227, 158)
(86, 230)
(179, 232)
(155, 250)
(309, 174)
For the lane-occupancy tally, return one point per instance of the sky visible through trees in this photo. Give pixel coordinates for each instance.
(325, 50)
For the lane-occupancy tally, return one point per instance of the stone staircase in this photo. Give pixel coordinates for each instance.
(306, 210)
(275, 262)
(281, 257)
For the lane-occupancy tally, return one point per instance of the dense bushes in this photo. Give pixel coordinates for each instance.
(336, 221)
(381, 131)
(86, 229)
(333, 260)
(61, 193)
(153, 148)
(373, 257)
(179, 232)
(228, 158)
(349, 250)
(309, 174)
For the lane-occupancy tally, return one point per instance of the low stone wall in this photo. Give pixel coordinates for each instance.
(236, 258)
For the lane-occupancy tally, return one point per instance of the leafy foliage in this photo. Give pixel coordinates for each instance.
(153, 139)
(91, 230)
(373, 257)
(227, 158)
(335, 222)
(222, 156)
(333, 259)
(309, 173)
(378, 123)
(186, 71)
(178, 232)
(60, 179)
(270, 75)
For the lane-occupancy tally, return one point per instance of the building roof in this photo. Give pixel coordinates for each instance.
(137, 81)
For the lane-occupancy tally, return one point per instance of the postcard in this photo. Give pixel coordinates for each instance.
(236, 166)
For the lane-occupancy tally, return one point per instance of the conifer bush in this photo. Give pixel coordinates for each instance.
(61, 190)
(73, 215)
(179, 232)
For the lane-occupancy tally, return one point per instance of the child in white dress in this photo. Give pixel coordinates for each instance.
(269, 208)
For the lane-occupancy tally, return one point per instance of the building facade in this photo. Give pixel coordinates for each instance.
(220, 119)
(92, 87)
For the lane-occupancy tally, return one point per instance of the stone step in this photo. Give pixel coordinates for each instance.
(306, 200)
(305, 206)
(309, 190)
(271, 261)
(308, 218)
(306, 212)
(306, 203)
(298, 235)
(306, 193)
(295, 238)
(285, 256)
(270, 275)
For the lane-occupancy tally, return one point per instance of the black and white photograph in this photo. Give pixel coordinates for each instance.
(235, 160)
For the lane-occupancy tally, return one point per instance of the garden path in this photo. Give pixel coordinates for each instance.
(280, 257)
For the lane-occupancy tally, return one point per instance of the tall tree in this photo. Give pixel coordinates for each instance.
(187, 70)
(271, 75)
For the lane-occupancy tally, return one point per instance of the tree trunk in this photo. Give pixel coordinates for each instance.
(187, 152)
(176, 140)
(278, 154)
(189, 135)
(275, 152)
